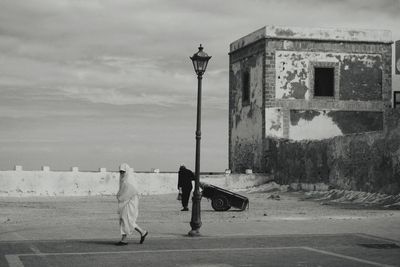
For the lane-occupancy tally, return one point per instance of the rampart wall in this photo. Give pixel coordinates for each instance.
(77, 183)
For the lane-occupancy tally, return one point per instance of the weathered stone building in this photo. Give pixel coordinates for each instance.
(305, 84)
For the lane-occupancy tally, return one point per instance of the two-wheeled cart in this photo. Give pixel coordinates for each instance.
(223, 200)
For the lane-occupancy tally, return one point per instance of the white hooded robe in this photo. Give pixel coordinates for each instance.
(128, 201)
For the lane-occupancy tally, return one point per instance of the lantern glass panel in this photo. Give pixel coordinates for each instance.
(200, 65)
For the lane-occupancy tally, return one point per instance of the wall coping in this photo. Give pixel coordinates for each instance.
(50, 183)
(319, 34)
(46, 169)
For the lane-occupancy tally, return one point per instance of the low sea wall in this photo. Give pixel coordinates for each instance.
(77, 183)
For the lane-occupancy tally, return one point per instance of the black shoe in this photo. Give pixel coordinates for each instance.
(143, 237)
(184, 209)
(120, 243)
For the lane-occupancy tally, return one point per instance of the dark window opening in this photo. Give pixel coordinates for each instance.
(396, 99)
(246, 87)
(324, 80)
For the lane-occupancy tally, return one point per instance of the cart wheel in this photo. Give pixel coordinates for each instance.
(220, 203)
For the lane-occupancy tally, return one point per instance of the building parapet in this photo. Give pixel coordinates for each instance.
(318, 34)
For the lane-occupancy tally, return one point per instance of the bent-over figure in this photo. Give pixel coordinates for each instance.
(185, 178)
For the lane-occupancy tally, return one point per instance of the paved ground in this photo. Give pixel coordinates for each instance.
(292, 250)
(81, 231)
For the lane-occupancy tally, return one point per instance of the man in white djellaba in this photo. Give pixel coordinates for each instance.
(128, 205)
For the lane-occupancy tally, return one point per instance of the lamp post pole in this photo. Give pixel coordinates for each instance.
(200, 60)
(195, 222)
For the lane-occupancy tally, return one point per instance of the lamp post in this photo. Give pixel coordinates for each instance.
(200, 61)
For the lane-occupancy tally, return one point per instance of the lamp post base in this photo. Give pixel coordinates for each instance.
(194, 233)
(195, 222)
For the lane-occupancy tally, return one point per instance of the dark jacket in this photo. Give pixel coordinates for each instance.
(185, 178)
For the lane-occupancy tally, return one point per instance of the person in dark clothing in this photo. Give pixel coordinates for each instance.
(185, 178)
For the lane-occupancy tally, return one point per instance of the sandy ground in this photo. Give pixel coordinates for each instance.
(43, 218)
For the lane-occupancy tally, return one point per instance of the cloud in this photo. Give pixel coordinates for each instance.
(72, 66)
(117, 97)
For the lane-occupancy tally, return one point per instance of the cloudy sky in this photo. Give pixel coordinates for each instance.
(93, 83)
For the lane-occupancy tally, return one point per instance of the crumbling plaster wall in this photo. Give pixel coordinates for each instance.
(246, 119)
(365, 55)
(365, 161)
(359, 75)
(274, 125)
(362, 88)
(367, 156)
(318, 124)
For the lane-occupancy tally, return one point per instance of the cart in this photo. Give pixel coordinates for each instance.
(223, 200)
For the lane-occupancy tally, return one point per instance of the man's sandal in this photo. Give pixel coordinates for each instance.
(143, 237)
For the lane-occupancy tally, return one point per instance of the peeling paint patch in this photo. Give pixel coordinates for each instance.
(288, 44)
(299, 90)
(296, 116)
(292, 72)
(362, 162)
(312, 125)
(360, 74)
(273, 122)
(317, 125)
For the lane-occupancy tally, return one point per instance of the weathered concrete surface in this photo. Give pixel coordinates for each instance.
(331, 34)
(365, 162)
(361, 62)
(317, 125)
(274, 122)
(246, 117)
(57, 183)
(358, 76)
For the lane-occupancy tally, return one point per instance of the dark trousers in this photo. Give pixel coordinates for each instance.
(185, 196)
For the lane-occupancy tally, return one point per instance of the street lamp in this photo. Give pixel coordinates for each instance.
(200, 60)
